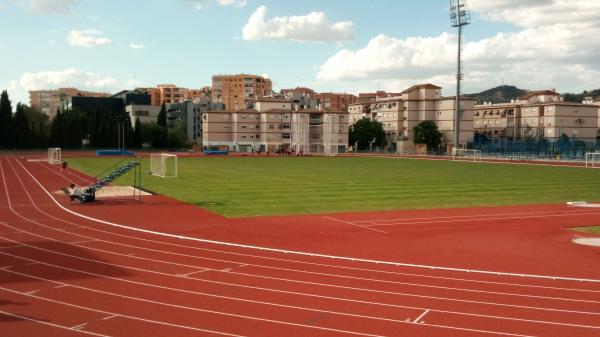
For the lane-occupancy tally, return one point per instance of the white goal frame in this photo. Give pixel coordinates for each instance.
(158, 165)
(466, 154)
(592, 159)
(54, 155)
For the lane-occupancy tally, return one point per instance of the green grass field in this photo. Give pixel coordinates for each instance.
(593, 230)
(247, 186)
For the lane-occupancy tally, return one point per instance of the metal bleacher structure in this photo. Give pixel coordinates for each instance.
(114, 172)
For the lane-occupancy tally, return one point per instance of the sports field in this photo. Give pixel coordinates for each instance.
(249, 186)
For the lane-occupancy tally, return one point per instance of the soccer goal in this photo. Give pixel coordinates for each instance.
(163, 165)
(592, 159)
(54, 155)
(466, 154)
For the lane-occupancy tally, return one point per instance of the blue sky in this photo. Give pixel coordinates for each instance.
(388, 44)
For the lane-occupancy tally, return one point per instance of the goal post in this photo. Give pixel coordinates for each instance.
(163, 165)
(54, 155)
(592, 159)
(466, 154)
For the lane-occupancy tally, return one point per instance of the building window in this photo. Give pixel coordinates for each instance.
(285, 136)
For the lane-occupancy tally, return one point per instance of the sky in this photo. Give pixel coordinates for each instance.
(328, 45)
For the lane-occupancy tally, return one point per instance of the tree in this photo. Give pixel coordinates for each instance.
(137, 134)
(22, 131)
(364, 131)
(162, 116)
(6, 121)
(427, 132)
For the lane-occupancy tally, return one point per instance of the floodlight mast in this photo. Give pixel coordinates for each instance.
(459, 17)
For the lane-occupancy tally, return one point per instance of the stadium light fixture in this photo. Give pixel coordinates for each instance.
(459, 17)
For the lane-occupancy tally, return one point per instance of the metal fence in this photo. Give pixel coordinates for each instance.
(571, 149)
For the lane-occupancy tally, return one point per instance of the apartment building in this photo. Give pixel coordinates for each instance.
(538, 114)
(335, 101)
(237, 92)
(304, 98)
(400, 114)
(277, 124)
(49, 101)
(365, 97)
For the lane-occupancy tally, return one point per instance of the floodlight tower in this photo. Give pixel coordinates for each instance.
(459, 17)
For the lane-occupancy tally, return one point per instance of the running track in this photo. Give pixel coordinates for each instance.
(62, 274)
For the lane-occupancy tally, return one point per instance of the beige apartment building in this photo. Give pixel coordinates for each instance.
(277, 124)
(49, 101)
(538, 114)
(237, 92)
(400, 114)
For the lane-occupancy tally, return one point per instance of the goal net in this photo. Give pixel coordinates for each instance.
(54, 155)
(592, 159)
(466, 154)
(163, 165)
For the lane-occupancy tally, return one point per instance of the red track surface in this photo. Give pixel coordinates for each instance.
(65, 275)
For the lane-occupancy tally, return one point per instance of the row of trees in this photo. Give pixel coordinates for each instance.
(366, 134)
(29, 128)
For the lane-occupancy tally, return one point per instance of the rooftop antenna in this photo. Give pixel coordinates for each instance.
(459, 17)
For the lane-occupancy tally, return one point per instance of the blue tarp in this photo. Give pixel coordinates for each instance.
(114, 153)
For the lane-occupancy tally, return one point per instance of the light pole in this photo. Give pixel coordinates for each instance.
(459, 17)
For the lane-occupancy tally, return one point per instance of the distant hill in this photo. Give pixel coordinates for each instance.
(506, 93)
(580, 97)
(501, 94)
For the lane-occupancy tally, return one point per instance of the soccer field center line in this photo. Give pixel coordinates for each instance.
(308, 295)
(355, 225)
(285, 260)
(484, 219)
(467, 216)
(294, 324)
(300, 253)
(72, 329)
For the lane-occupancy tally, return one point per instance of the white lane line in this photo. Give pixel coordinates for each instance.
(421, 316)
(483, 219)
(31, 263)
(300, 253)
(79, 327)
(264, 319)
(192, 273)
(31, 292)
(110, 317)
(82, 242)
(107, 313)
(355, 225)
(331, 285)
(26, 318)
(283, 260)
(12, 246)
(284, 292)
(61, 286)
(376, 221)
(229, 270)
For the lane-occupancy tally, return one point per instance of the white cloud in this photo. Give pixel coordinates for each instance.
(536, 13)
(51, 6)
(67, 78)
(53, 79)
(313, 27)
(136, 46)
(87, 38)
(203, 4)
(233, 3)
(549, 52)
